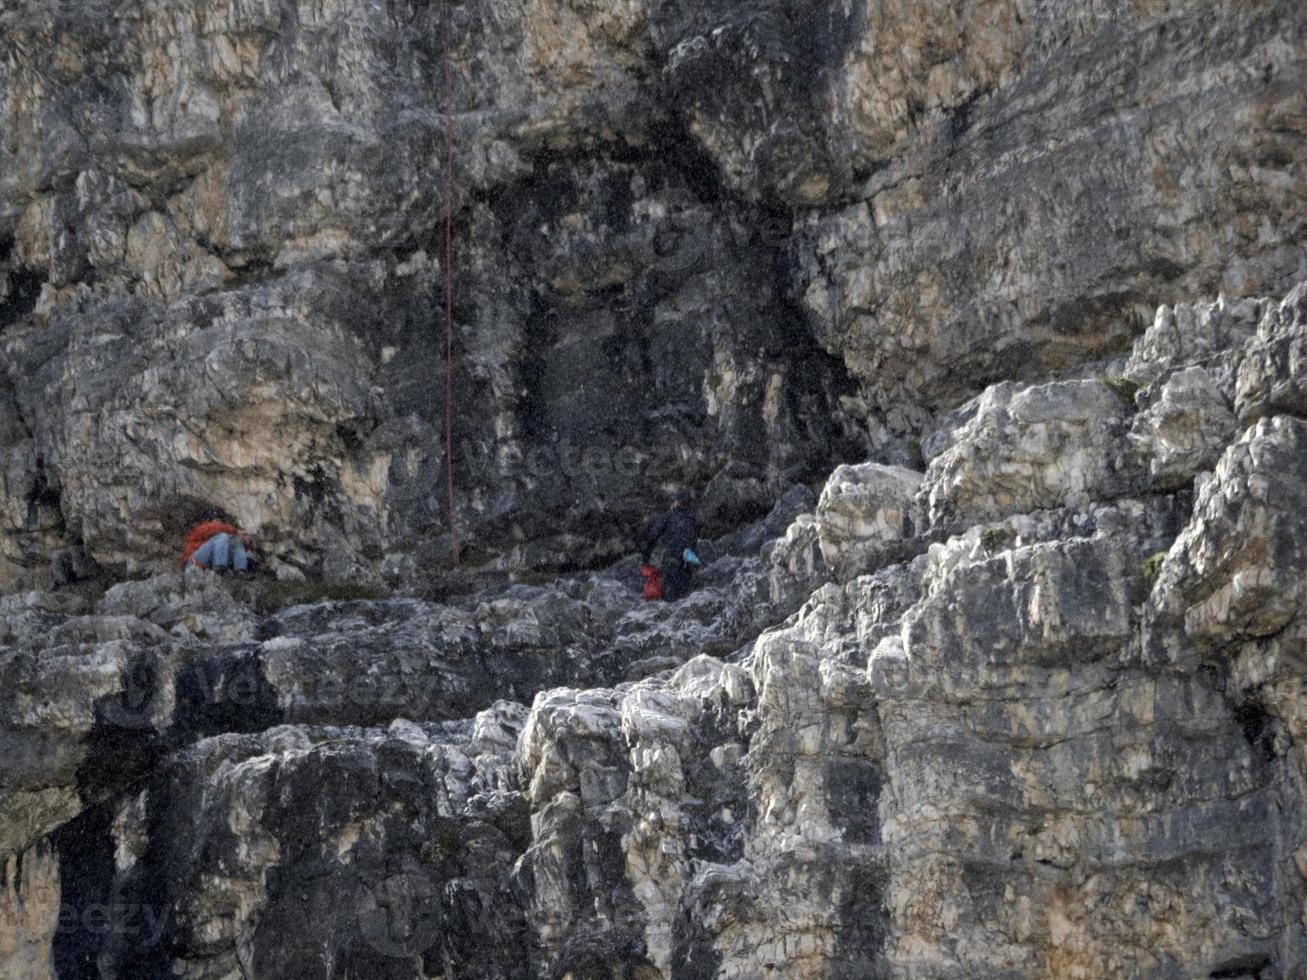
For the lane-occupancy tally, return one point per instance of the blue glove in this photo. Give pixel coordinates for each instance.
(690, 557)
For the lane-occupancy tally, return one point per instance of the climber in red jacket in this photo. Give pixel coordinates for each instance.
(216, 544)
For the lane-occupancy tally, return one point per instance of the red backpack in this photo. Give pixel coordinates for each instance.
(653, 583)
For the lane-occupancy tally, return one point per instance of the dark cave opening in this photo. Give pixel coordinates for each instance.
(24, 292)
(1258, 729)
(1251, 967)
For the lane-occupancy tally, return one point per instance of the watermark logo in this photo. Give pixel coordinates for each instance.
(400, 917)
(142, 925)
(133, 707)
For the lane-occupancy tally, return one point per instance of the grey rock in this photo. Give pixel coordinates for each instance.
(1021, 448)
(1184, 429)
(1018, 694)
(1233, 574)
(190, 603)
(237, 297)
(1010, 224)
(865, 513)
(1200, 335)
(29, 913)
(1270, 373)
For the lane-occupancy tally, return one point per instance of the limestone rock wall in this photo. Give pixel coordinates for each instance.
(221, 269)
(716, 245)
(1057, 170)
(978, 330)
(1014, 715)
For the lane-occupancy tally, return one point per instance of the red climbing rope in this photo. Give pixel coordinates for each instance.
(449, 285)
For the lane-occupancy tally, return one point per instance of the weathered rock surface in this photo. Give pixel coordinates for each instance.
(363, 821)
(1026, 448)
(864, 514)
(1019, 693)
(118, 716)
(1269, 376)
(1185, 427)
(702, 245)
(1056, 729)
(1036, 178)
(219, 230)
(29, 914)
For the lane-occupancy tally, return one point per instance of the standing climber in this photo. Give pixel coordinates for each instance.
(217, 544)
(678, 533)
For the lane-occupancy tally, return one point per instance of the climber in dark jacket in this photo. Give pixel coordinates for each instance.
(678, 534)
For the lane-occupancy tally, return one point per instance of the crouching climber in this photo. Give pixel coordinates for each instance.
(216, 544)
(678, 534)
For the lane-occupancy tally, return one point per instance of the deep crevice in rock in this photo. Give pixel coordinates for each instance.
(24, 291)
(1258, 729)
(86, 868)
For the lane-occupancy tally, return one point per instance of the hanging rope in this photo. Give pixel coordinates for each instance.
(449, 284)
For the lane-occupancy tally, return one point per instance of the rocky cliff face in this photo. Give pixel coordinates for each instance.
(228, 219)
(1035, 711)
(994, 667)
(720, 245)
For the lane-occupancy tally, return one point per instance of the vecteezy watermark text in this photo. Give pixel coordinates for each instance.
(240, 684)
(142, 924)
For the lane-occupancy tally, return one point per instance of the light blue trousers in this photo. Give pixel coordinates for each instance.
(222, 551)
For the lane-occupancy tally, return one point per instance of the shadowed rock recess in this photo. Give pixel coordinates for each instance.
(978, 330)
